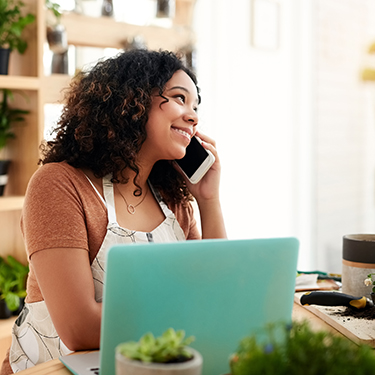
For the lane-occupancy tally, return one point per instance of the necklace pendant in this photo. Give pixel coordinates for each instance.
(131, 209)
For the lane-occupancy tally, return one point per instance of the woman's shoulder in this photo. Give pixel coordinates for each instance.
(56, 169)
(56, 173)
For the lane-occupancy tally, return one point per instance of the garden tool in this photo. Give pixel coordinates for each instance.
(335, 299)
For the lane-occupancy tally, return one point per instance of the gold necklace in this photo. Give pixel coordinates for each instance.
(130, 207)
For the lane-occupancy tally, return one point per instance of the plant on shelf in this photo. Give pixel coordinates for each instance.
(13, 276)
(300, 350)
(57, 39)
(8, 118)
(12, 24)
(169, 352)
(55, 9)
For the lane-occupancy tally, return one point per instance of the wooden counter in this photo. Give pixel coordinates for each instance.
(55, 367)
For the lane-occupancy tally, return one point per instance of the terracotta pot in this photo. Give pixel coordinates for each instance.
(126, 366)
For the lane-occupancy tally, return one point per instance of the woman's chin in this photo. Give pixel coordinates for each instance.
(180, 155)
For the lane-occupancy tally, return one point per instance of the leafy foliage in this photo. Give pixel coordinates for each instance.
(12, 281)
(8, 116)
(55, 9)
(169, 347)
(12, 23)
(302, 351)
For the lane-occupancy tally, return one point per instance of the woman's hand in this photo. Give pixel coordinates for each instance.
(206, 193)
(208, 187)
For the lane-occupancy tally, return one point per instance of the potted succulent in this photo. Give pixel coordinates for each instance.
(167, 354)
(369, 281)
(299, 350)
(12, 286)
(8, 117)
(12, 23)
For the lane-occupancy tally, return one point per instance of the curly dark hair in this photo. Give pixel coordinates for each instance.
(103, 123)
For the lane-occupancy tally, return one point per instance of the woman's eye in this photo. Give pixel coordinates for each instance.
(181, 98)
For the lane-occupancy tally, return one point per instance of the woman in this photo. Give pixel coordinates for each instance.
(108, 177)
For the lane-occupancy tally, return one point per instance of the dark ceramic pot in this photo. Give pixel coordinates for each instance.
(57, 39)
(5, 313)
(4, 60)
(4, 167)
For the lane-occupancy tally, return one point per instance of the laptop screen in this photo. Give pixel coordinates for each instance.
(216, 290)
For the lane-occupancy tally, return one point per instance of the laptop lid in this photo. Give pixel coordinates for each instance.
(216, 290)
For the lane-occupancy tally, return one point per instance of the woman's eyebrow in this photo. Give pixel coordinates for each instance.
(179, 87)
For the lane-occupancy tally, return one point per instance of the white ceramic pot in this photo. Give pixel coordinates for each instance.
(358, 260)
(126, 366)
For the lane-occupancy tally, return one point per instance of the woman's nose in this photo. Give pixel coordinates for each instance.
(191, 117)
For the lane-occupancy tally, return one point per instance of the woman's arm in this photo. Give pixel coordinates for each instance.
(65, 280)
(206, 193)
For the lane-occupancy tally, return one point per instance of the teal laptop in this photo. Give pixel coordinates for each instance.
(216, 290)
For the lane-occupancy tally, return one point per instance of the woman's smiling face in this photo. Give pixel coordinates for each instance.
(172, 119)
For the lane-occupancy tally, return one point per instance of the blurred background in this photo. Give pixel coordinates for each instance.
(285, 96)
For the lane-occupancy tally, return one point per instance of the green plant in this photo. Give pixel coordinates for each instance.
(170, 347)
(300, 350)
(55, 9)
(369, 281)
(8, 116)
(12, 281)
(12, 23)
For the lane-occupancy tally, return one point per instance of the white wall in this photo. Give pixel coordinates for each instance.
(248, 107)
(292, 125)
(344, 152)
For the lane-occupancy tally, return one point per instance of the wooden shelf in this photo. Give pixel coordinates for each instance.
(19, 82)
(81, 29)
(53, 86)
(11, 203)
(26, 73)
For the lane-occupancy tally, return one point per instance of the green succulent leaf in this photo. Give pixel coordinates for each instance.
(169, 347)
(13, 276)
(13, 301)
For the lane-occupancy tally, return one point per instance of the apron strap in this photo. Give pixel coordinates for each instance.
(109, 198)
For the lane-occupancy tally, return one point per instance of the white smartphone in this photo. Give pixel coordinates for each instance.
(196, 162)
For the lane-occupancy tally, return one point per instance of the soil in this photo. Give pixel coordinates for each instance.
(368, 314)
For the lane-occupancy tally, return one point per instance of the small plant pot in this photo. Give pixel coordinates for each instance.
(4, 167)
(126, 366)
(57, 39)
(5, 313)
(4, 60)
